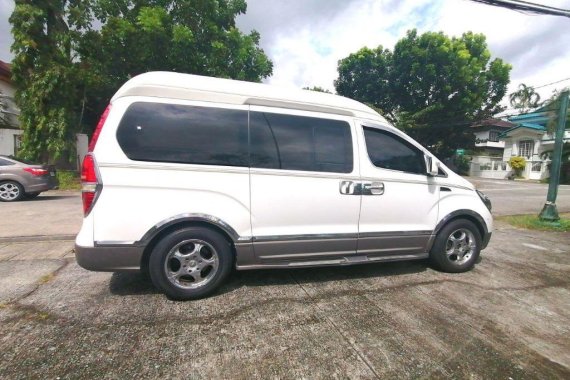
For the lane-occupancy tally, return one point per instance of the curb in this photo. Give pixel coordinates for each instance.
(33, 238)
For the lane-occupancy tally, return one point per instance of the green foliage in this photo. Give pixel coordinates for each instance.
(518, 164)
(462, 163)
(430, 85)
(525, 98)
(317, 89)
(44, 74)
(68, 180)
(66, 70)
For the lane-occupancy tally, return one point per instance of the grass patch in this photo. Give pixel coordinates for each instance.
(68, 180)
(532, 222)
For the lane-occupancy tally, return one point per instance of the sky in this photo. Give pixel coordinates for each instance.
(306, 38)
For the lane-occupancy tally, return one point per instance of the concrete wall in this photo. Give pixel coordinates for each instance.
(489, 167)
(7, 141)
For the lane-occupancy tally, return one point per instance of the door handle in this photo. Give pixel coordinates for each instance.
(373, 188)
(348, 188)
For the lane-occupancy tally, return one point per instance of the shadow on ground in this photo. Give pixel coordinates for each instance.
(129, 284)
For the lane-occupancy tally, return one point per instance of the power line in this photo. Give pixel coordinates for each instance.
(548, 84)
(525, 6)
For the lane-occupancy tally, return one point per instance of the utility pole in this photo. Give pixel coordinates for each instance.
(549, 211)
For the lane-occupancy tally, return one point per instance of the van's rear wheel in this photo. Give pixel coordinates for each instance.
(456, 247)
(190, 263)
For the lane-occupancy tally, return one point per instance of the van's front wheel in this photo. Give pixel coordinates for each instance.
(190, 263)
(456, 247)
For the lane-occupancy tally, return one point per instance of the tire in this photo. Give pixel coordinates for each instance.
(31, 195)
(11, 191)
(456, 247)
(190, 263)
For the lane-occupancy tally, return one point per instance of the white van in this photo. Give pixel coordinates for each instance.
(189, 177)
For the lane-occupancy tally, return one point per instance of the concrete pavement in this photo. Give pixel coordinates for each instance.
(508, 318)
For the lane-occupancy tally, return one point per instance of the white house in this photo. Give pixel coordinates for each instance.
(489, 161)
(530, 139)
(523, 135)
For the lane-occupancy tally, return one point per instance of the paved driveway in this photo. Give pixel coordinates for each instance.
(508, 318)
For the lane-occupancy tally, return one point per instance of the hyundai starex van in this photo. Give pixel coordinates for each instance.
(188, 177)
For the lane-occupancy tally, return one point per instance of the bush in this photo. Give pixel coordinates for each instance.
(68, 180)
(518, 164)
(462, 164)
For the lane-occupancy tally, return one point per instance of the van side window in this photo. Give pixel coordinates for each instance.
(300, 143)
(389, 151)
(184, 134)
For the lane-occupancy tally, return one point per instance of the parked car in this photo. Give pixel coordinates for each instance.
(24, 180)
(189, 177)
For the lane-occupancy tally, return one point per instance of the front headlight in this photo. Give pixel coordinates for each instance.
(485, 199)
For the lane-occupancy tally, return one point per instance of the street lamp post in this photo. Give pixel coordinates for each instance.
(549, 211)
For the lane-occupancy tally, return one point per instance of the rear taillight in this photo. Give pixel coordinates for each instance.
(98, 128)
(36, 172)
(91, 185)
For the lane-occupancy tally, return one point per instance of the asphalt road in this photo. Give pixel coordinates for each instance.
(507, 318)
(518, 197)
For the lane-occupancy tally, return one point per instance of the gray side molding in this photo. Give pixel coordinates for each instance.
(190, 217)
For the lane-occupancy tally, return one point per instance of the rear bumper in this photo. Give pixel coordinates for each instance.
(41, 184)
(109, 258)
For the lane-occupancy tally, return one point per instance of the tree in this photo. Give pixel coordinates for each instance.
(525, 98)
(430, 85)
(44, 74)
(317, 89)
(66, 70)
(198, 37)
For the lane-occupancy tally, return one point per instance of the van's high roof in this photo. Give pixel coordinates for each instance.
(200, 88)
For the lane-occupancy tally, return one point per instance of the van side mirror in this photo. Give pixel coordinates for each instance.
(431, 166)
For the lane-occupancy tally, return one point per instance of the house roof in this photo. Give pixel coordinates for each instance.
(535, 127)
(493, 122)
(5, 72)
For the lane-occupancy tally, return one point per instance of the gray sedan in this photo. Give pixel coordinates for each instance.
(20, 180)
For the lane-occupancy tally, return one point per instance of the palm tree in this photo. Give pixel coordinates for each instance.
(525, 98)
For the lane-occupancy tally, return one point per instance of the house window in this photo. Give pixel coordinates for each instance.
(526, 148)
(17, 143)
(493, 136)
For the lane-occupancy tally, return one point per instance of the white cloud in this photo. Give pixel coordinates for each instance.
(306, 38)
(305, 41)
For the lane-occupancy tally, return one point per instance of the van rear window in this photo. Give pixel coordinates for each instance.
(184, 134)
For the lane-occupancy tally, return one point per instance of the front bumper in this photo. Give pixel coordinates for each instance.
(124, 258)
(486, 239)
